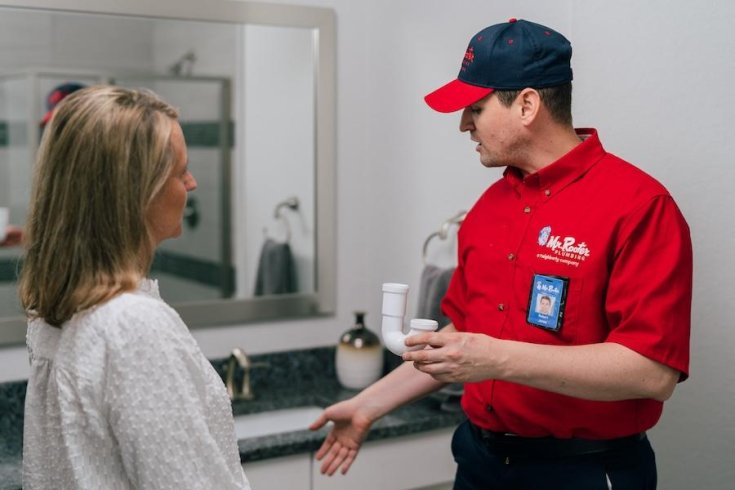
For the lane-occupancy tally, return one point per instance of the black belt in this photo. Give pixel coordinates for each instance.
(550, 447)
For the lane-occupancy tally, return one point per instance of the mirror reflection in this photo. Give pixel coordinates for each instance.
(279, 146)
(246, 95)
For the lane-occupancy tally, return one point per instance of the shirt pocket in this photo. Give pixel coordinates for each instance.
(572, 323)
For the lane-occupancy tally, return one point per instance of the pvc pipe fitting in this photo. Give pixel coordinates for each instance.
(394, 311)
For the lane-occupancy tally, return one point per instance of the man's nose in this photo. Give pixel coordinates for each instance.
(465, 122)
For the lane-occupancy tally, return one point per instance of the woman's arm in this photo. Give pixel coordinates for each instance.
(170, 430)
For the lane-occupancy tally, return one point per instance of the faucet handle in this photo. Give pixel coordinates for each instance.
(238, 358)
(238, 355)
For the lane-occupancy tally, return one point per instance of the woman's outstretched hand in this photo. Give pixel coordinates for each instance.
(341, 445)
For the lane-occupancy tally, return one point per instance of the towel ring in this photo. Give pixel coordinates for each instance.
(291, 203)
(443, 232)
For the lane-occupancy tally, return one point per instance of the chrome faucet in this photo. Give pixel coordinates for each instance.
(238, 359)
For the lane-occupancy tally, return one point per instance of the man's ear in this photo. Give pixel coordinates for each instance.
(529, 105)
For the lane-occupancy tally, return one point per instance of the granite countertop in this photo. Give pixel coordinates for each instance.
(292, 379)
(420, 416)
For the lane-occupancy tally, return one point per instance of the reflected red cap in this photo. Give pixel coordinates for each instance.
(57, 95)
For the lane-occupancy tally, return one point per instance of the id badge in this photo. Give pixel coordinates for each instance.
(546, 301)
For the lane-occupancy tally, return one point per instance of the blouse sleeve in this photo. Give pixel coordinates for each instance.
(156, 398)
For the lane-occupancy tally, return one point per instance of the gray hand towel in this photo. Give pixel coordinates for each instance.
(276, 269)
(433, 287)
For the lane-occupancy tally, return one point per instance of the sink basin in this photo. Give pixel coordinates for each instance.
(275, 421)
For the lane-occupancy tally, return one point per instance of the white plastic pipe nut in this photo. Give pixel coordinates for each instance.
(394, 310)
(394, 299)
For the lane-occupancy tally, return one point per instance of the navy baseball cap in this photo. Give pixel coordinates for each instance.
(510, 56)
(57, 95)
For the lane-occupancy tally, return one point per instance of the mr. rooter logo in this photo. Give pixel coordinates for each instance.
(567, 246)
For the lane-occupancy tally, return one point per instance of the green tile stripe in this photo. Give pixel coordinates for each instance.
(9, 269)
(205, 272)
(205, 134)
(13, 132)
(198, 134)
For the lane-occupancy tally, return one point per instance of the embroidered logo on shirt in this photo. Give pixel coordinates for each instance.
(566, 250)
(543, 235)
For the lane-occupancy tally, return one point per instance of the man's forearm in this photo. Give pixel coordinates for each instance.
(399, 387)
(603, 372)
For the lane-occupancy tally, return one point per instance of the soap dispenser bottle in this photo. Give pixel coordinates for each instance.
(359, 357)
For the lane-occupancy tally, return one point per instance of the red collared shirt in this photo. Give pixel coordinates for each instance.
(616, 234)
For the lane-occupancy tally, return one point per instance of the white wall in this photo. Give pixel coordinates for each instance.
(654, 77)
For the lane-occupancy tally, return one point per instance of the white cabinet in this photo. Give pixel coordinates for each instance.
(289, 472)
(416, 462)
(410, 462)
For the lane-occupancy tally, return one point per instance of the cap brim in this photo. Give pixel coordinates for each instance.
(455, 95)
(46, 118)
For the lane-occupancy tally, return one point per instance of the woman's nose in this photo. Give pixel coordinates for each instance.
(191, 183)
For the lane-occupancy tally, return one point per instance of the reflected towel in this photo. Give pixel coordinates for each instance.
(433, 287)
(276, 269)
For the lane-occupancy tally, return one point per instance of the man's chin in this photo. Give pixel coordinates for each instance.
(491, 163)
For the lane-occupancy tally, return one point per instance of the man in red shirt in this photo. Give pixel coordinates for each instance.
(556, 399)
(13, 235)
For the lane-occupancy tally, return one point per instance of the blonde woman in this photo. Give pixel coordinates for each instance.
(119, 395)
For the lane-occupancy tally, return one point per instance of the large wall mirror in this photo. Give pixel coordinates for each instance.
(255, 87)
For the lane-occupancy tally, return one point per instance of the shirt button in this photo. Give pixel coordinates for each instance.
(501, 307)
(527, 209)
(547, 192)
(511, 256)
(489, 408)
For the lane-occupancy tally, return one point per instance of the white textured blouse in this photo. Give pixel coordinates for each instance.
(122, 397)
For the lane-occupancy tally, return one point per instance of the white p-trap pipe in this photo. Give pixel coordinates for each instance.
(394, 311)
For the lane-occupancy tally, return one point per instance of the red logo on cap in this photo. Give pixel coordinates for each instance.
(469, 55)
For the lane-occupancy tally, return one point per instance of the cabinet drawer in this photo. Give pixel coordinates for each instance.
(290, 472)
(409, 462)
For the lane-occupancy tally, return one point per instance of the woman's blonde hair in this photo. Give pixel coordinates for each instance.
(104, 156)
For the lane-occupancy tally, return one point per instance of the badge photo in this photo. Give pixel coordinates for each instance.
(546, 301)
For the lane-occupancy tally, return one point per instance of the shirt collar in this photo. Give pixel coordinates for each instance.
(557, 175)
(149, 287)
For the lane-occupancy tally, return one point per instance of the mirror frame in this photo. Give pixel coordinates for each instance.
(238, 311)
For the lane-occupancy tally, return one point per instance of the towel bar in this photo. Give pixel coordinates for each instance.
(443, 232)
(291, 203)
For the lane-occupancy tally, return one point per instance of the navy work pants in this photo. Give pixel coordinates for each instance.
(481, 466)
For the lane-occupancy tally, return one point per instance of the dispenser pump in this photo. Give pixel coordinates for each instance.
(359, 337)
(359, 355)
